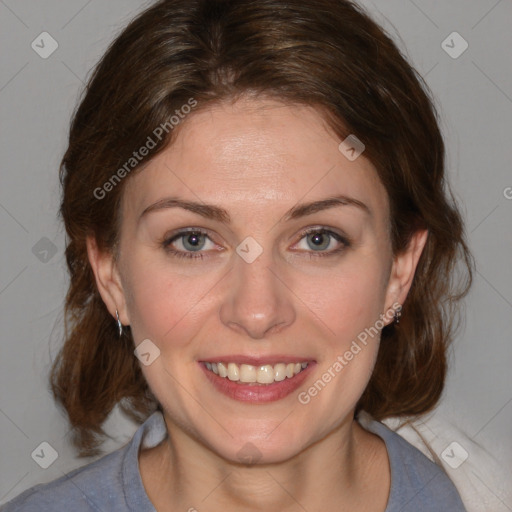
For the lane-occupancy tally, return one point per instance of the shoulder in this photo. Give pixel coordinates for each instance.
(417, 483)
(111, 483)
(88, 488)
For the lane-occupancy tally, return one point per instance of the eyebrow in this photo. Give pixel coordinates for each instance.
(217, 213)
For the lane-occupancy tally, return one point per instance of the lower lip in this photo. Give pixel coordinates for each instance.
(257, 393)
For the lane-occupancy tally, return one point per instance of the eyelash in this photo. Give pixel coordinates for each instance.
(346, 242)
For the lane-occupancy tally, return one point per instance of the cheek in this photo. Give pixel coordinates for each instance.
(163, 303)
(349, 303)
(348, 299)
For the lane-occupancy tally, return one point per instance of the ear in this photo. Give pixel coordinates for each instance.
(403, 269)
(108, 280)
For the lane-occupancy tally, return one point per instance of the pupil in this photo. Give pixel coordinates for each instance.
(194, 241)
(318, 241)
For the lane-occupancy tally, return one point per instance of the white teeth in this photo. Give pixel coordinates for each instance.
(223, 371)
(233, 372)
(264, 374)
(247, 373)
(280, 371)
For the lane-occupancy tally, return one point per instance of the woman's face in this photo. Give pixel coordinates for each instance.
(253, 239)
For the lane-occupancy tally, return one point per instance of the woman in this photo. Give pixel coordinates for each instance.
(261, 248)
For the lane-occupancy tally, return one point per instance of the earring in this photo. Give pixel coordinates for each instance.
(119, 324)
(398, 314)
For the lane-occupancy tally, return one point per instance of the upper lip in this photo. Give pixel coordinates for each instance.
(257, 360)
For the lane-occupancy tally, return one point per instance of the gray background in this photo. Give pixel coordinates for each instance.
(37, 97)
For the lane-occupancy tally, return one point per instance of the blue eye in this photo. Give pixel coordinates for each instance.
(186, 242)
(194, 243)
(322, 241)
(319, 241)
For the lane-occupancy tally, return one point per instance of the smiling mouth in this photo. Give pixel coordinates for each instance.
(262, 374)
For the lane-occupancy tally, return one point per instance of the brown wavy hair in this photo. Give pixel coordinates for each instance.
(328, 54)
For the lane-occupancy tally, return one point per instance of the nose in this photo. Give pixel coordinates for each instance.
(258, 302)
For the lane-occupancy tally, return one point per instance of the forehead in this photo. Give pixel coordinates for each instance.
(258, 153)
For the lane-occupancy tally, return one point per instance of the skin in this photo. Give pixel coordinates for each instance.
(257, 159)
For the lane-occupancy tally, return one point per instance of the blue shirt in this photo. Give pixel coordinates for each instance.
(113, 483)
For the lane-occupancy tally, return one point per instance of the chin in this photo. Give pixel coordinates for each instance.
(250, 446)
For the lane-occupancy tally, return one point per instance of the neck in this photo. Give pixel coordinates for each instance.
(330, 474)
